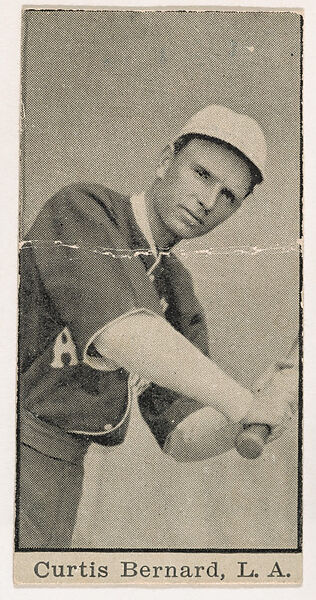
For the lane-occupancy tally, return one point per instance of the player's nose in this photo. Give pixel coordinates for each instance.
(208, 201)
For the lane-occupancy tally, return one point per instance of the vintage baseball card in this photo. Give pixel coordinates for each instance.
(159, 408)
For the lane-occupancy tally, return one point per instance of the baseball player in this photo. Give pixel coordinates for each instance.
(107, 312)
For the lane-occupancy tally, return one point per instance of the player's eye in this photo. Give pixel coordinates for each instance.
(229, 195)
(202, 172)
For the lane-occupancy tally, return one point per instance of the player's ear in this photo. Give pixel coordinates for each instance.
(164, 161)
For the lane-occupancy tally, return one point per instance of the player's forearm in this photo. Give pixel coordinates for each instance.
(150, 346)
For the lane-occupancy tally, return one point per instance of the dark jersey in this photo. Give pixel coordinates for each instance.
(83, 265)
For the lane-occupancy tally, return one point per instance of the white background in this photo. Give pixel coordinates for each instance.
(10, 48)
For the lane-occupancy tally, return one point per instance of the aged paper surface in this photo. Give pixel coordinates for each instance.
(119, 480)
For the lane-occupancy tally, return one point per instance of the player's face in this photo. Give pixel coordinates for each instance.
(199, 188)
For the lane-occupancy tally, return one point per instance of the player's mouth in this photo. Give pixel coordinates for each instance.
(191, 216)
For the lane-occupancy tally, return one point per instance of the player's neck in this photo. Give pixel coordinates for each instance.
(164, 238)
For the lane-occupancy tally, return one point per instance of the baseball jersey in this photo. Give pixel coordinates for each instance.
(85, 263)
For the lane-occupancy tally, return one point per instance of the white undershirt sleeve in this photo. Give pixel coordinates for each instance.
(102, 362)
(142, 342)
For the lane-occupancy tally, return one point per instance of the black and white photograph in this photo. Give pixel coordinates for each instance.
(159, 409)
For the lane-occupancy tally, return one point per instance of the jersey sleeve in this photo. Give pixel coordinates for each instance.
(79, 254)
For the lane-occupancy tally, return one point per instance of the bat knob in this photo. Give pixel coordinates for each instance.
(251, 441)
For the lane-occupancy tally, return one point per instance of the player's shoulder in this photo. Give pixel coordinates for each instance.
(92, 200)
(96, 190)
(81, 207)
(82, 192)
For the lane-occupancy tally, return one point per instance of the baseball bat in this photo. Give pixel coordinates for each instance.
(251, 441)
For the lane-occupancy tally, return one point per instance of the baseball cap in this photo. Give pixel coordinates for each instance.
(238, 130)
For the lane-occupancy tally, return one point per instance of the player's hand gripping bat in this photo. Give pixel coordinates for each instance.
(251, 441)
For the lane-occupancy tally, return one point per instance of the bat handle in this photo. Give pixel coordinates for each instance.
(251, 441)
